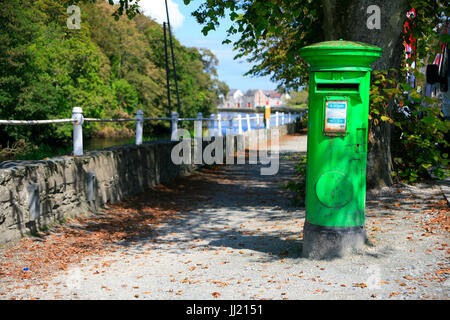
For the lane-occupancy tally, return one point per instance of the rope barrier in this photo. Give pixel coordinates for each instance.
(35, 122)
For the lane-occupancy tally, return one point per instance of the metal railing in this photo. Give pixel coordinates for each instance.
(216, 124)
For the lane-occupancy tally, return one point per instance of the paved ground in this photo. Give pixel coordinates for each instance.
(229, 233)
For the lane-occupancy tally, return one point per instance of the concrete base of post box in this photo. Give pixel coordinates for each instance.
(330, 242)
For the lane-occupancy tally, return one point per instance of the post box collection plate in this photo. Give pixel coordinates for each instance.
(334, 190)
(335, 116)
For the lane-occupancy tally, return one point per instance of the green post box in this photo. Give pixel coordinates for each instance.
(337, 145)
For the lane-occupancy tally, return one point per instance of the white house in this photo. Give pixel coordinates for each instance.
(233, 99)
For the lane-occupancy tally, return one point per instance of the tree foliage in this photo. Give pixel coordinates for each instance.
(111, 67)
(298, 98)
(270, 34)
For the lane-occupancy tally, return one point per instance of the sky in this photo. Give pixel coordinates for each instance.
(186, 29)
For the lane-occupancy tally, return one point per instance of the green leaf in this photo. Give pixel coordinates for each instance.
(406, 87)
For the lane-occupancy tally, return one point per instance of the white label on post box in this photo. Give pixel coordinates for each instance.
(336, 116)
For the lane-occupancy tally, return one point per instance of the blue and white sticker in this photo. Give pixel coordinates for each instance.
(336, 116)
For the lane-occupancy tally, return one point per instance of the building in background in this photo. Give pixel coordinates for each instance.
(276, 98)
(253, 98)
(233, 99)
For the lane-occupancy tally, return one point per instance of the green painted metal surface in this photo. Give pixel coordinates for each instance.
(340, 55)
(337, 131)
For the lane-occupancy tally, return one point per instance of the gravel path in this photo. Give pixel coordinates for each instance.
(238, 236)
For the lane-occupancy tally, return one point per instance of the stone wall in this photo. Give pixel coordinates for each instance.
(34, 194)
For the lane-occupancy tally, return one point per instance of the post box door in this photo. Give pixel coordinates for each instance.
(337, 139)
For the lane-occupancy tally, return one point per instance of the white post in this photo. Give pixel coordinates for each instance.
(174, 126)
(198, 144)
(249, 126)
(77, 114)
(277, 121)
(139, 126)
(289, 118)
(282, 118)
(198, 125)
(239, 124)
(219, 125)
(258, 123)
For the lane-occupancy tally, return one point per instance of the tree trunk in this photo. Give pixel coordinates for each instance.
(347, 19)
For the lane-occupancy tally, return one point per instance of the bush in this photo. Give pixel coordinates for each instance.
(419, 130)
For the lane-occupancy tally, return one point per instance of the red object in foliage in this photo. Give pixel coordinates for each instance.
(410, 43)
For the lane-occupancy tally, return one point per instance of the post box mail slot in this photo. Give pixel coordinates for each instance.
(333, 87)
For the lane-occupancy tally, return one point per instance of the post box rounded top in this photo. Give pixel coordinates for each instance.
(340, 54)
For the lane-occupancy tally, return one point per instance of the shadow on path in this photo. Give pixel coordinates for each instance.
(210, 204)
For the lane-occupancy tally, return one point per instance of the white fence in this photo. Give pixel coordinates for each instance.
(216, 125)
